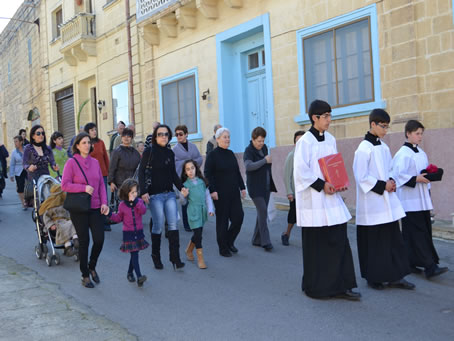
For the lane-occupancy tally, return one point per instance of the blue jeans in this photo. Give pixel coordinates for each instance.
(163, 206)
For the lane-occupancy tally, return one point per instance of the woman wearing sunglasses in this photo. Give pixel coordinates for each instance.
(37, 155)
(159, 195)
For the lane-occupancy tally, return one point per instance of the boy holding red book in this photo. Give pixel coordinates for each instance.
(381, 249)
(322, 214)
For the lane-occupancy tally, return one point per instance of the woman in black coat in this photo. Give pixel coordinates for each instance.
(226, 187)
(259, 184)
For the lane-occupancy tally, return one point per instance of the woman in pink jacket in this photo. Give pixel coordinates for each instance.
(82, 173)
(130, 212)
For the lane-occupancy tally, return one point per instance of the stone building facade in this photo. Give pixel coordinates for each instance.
(244, 63)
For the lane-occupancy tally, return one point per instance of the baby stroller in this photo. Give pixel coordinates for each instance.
(41, 191)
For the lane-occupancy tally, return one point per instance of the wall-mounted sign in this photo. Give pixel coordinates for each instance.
(148, 8)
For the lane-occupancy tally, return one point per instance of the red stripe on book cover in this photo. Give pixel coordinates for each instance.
(333, 170)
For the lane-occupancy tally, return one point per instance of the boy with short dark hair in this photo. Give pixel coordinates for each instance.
(381, 249)
(412, 180)
(322, 214)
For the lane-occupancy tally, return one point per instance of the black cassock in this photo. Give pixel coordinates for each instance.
(327, 260)
(382, 253)
(417, 233)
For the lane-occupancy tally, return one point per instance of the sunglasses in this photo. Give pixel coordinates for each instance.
(383, 126)
(325, 116)
(39, 133)
(163, 134)
(179, 134)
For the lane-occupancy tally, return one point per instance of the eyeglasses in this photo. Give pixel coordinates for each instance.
(325, 116)
(179, 134)
(163, 134)
(383, 126)
(39, 133)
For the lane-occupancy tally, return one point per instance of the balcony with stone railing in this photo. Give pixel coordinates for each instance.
(78, 38)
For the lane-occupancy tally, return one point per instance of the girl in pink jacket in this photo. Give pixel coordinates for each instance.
(130, 212)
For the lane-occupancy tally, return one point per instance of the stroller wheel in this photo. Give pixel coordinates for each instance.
(38, 252)
(56, 259)
(49, 260)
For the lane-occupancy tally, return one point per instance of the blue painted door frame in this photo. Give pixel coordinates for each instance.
(232, 47)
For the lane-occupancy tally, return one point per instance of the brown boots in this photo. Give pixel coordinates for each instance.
(189, 254)
(200, 260)
(189, 250)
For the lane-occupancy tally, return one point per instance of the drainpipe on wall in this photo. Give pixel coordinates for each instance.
(130, 83)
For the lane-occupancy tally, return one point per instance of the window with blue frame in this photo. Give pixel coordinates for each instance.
(179, 105)
(339, 63)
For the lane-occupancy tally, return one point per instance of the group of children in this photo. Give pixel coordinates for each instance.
(387, 190)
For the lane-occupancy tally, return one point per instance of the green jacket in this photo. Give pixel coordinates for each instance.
(197, 207)
(288, 174)
(60, 156)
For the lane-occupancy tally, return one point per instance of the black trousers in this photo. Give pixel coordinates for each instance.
(83, 222)
(197, 237)
(228, 209)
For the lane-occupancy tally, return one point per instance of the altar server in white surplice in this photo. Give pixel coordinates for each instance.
(381, 249)
(322, 214)
(413, 192)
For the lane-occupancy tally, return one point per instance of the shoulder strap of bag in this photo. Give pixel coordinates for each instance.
(81, 169)
(149, 158)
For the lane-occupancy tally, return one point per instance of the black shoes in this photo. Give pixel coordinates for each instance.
(402, 284)
(178, 265)
(435, 271)
(69, 251)
(284, 239)
(415, 270)
(349, 295)
(94, 276)
(87, 283)
(376, 286)
(187, 229)
(268, 247)
(157, 262)
(233, 249)
(131, 277)
(141, 280)
(225, 253)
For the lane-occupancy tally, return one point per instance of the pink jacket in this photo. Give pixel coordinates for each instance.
(125, 215)
(73, 180)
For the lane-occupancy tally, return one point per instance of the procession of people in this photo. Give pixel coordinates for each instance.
(393, 199)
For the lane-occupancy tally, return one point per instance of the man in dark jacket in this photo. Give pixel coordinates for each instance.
(3, 155)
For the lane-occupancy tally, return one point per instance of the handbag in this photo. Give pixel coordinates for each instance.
(28, 190)
(148, 170)
(78, 202)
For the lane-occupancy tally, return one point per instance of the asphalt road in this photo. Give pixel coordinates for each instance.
(254, 295)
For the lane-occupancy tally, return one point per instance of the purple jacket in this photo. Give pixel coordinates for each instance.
(124, 214)
(73, 181)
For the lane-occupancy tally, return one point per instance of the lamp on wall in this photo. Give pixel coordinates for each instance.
(101, 104)
(205, 94)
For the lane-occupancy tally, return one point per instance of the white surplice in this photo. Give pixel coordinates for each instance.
(373, 163)
(407, 164)
(313, 208)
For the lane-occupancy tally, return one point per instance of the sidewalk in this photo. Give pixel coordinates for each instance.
(33, 309)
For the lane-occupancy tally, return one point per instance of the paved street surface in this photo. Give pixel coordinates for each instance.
(254, 295)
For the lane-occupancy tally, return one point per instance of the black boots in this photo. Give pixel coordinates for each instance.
(156, 250)
(174, 249)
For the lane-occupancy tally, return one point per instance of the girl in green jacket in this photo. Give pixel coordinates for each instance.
(200, 205)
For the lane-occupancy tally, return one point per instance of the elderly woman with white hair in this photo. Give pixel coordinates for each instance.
(226, 187)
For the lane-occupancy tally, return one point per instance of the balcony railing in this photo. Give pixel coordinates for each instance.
(78, 36)
(82, 26)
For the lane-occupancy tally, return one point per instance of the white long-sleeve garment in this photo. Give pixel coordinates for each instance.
(408, 163)
(313, 208)
(373, 163)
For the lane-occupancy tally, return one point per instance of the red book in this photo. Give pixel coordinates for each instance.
(333, 169)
